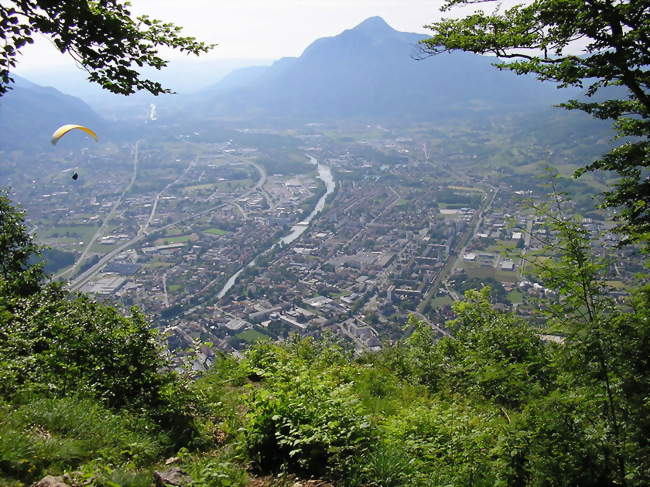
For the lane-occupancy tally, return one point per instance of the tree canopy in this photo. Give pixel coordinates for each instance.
(102, 36)
(18, 274)
(540, 37)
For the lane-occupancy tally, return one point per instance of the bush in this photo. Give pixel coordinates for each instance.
(449, 443)
(306, 426)
(224, 468)
(562, 423)
(385, 466)
(56, 344)
(304, 419)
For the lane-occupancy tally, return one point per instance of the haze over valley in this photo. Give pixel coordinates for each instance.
(335, 192)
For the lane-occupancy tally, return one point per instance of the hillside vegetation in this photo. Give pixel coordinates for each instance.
(87, 392)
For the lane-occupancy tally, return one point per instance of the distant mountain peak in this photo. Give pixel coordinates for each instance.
(368, 72)
(374, 25)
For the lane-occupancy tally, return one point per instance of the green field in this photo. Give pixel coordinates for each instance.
(229, 186)
(198, 187)
(441, 301)
(173, 240)
(501, 245)
(477, 270)
(73, 232)
(157, 264)
(344, 292)
(516, 297)
(101, 248)
(173, 288)
(172, 231)
(216, 231)
(466, 188)
(252, 336)
(616, 284)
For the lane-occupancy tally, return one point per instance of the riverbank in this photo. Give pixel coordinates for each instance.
(325, 175)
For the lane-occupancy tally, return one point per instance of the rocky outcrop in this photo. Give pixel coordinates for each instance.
(174, 477)
(51, 481)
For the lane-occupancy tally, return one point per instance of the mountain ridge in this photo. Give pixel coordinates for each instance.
(371, 71)
(29, 113)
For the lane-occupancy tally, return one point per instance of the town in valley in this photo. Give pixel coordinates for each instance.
(317, 230)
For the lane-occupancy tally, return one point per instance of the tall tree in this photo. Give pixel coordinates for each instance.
(102, 36)
(540, 37)
(602, 364)
(18, 273)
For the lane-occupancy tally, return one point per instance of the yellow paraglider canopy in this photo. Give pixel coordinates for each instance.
(64, 129)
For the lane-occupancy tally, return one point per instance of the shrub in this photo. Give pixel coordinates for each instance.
(449, 443)
(304, 418)
(225, 468)
(306, 427)
(56, 344)
(385, 466)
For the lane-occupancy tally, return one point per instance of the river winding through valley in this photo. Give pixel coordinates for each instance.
(325, 175)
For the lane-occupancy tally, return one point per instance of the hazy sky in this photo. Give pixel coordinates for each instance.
(260, 29)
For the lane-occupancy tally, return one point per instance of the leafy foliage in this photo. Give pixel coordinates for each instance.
(494, 354)
(18, 275)
(497, 292)
(223, 468)
(538, 38)
(100, 35)
(55, 260)
(79, 345)
(304, 420)
(446, 443)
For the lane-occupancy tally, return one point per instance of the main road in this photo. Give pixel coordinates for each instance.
(459, 250)
(108, 218)
(87, 275)
(154, 207)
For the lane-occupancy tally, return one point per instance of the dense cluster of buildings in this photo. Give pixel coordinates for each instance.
(194, 240)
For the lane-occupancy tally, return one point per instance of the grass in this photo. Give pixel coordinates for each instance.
(466, 188)
(198, 187)
(221, 468)
(50, 436)
(62, 243)
(101, 248)
(181, 239)
(216, 231)
(450, 217)
(341, 294)
(173, 288)
(157, 264)
(252, 336)
(616, 284)
(501, 245)
(172, 231)
(76, 232)
(533, 262)
(441, 301)
(229, 186)
(516, 297)
(476, 270)
(173, 240)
